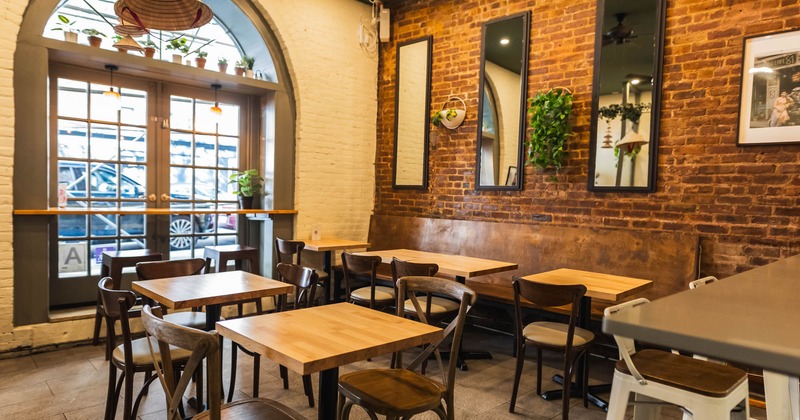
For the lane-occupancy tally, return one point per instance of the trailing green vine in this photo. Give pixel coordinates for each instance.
(549, 118)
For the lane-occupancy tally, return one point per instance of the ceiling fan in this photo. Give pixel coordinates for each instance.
(619, 34)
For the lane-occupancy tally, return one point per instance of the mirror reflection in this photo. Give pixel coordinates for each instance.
(501, 110)
(628, 52)
(411, 114)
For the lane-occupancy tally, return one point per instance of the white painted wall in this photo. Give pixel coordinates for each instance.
(336, 92)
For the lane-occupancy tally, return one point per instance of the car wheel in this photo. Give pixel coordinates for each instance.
(180, 226)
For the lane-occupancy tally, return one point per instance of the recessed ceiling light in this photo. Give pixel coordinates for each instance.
(635, 81)
(504, 41)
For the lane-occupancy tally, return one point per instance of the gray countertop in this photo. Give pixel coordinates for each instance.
(751, 318)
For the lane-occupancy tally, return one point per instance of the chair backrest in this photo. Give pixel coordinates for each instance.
(170, 268)
(402, 268)
(549, 295)
(304, 280)
(354, 266)
(626, 345)
(286, 251)
(408, 288)
(116, 304)
(702, 282)
(202, 344)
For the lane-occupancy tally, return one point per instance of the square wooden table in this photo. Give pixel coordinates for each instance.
(459, 266)
(210, 290)
(605, 287)
(322, 338)
(326, 246)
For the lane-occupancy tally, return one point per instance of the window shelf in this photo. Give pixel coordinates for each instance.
(57, 211)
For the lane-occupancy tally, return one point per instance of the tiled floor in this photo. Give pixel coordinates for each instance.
(71, 384)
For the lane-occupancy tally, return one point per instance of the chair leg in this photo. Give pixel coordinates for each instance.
(618, 400)
(307, 388)
(142, 393)
(232, 384)
(128, 398)
(256, 373)
(110, 395)
(566, 383)
(653, 411)
(585, 379)
(517, 376)
(98, 321)
(285, 377)
(538, 369)
(146, 380)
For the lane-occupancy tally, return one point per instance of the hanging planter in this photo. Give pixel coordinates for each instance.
(450, 117)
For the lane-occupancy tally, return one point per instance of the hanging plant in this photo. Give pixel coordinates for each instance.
(549, 118)
(629, 112)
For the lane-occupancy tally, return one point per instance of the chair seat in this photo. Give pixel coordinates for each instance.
(555, 334)
(254, 408)
(439, 305)
(382, 293)
(141, 352)
(392, 392)
(693, 375)
(188, 319)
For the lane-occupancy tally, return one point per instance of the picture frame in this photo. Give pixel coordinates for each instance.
(769, 104)
(511, 177)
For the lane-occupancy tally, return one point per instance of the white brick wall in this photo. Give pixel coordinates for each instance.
(336, 91)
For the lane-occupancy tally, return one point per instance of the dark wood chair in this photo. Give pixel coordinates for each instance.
(202, 345)
(292, 252)
(436, 307)
(305, 281)
(365, 268)
(175, 268)
(568, 338)
(221, 254)
(131, 356)
(402, 393)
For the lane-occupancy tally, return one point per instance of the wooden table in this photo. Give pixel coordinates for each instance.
(210, 290)
(459, 266)
(326, 247)
(322, 338)
(749, 318)
(605, 287)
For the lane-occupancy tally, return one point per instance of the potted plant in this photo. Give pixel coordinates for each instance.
(94, 36)
(64, 24)
(222, 62)
(180, 48)
(549, 118)
(200, 60)
(239, 68)
(247, 63)
(250, 184)
(450, 117)
(150, 48)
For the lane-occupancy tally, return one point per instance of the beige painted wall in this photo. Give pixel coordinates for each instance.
(336, 93)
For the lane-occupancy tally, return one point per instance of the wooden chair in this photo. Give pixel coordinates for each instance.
(359, 267)
(175, 268)
(130, 357)
(436, 307)
(568, 338)
(292, 252)
(305, 281)
(237, 253)
(705, 390)
(202, 345)
(402, 393)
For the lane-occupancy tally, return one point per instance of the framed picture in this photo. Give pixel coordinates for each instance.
(511, 177)
(769, 111)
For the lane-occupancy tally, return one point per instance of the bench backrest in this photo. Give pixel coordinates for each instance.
(670, 259)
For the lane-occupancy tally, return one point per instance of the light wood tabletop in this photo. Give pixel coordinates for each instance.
(454, 265)
(210, 289)
(332, 244)
(606, 287)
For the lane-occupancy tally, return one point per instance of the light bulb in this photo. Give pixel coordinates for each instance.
(504, 41)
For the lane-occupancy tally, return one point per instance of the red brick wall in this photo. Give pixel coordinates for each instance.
(743, 201)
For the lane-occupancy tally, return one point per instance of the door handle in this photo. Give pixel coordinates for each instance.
(151, 197)
(165, 197)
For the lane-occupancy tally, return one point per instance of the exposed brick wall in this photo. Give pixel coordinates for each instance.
(743, 201)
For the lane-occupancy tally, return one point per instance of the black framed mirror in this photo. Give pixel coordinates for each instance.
(626, 95)
(502, 107)
(412, 121)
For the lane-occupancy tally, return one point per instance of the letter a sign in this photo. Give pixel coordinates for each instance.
(72, 257)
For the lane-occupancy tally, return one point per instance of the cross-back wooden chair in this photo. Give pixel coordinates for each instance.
(292, 252)
(402, 392)
(360, 267)
(203, 345)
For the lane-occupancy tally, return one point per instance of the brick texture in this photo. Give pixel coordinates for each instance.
(742, 201)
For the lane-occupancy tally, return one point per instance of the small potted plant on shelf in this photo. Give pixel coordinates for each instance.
(222, 62)
(248, 62)
(200, 60)
(180, 48)
(250, 184)
(64, 24)
(94, 36)
(150, 48)
(239, 68)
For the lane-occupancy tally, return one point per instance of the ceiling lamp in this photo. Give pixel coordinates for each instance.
(127, 43)
(112, 98)
(128, 28)
(631, 140)
(165, 15)
(216, 111)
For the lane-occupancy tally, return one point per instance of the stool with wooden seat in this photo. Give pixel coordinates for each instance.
(705, 390)
(113, 263)
(291, 252)
(222, 254)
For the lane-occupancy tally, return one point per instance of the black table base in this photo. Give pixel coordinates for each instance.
(577, 392)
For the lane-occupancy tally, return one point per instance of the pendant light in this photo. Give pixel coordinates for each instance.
(216, 111)
(112, 98)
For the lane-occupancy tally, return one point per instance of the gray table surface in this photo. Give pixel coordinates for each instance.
(751, 318)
